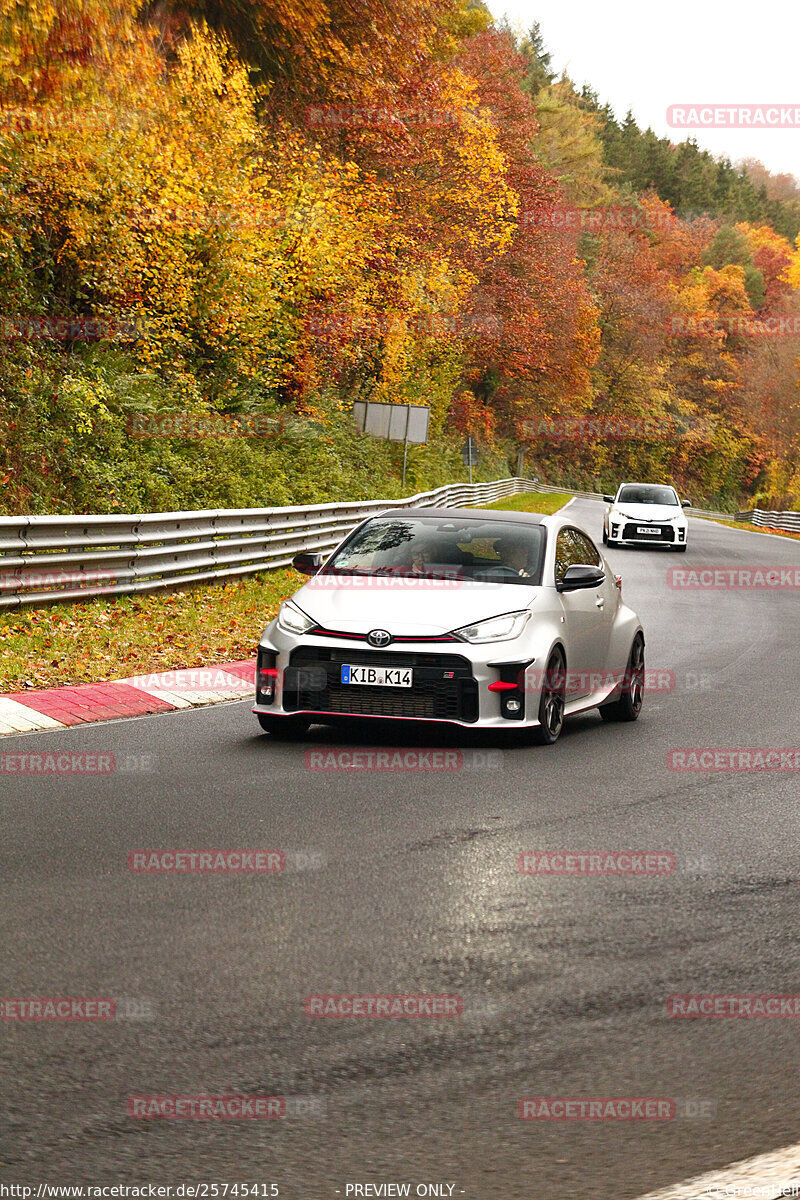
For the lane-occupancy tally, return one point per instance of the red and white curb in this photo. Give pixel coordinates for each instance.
(57, 708)
(765, 1176)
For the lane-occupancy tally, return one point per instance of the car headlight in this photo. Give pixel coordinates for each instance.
(292, 619)
(496, 629)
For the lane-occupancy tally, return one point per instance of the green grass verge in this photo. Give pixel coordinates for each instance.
(131, 635)
(538, 502)
(95, 640)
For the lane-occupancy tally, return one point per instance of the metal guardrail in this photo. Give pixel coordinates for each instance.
(47, 559)
(789, 522)
(44, 560)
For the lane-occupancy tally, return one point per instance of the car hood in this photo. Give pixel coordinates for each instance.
(648, 512)
(407, 607)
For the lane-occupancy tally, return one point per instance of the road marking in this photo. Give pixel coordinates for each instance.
(759, 1178)
(17, 718)
(182, 689)
(572, 501)
(76, 704)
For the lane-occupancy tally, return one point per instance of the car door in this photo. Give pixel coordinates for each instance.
(606, 601)
(588, 613)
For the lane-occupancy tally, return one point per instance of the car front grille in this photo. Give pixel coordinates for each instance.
(666, 533)
(443, 688)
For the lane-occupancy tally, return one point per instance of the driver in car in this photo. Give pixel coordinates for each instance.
(514, 553)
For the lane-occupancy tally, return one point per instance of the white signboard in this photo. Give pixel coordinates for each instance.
(395, 422)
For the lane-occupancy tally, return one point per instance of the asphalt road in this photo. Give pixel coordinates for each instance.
(411, 885)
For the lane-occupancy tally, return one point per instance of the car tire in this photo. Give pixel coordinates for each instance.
(551, 701)
(283, 727)
(679, 549)
(611, 545)
(629, 705)
(605, 538)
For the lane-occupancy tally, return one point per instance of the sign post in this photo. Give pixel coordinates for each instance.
(406, 423)
(469, 455)
(405, 444)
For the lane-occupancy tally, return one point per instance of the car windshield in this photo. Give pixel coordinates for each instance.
(438, 548)
(646, 493)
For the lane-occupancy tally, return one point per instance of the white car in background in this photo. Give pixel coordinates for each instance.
(646, 513)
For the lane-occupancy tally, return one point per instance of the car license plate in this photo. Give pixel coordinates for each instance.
(378, 676)
(647, 529)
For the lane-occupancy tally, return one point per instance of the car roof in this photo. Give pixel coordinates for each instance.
(643, 483)
(475, 514)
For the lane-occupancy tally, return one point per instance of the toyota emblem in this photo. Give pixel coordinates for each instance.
(379, 637)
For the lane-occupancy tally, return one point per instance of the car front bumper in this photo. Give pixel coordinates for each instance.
(625, 532)
(451, 681)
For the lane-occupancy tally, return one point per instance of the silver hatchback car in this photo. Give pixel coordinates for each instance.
(488, 619)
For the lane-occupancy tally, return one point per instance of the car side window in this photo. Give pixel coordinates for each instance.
(590, 555)
(567, 553)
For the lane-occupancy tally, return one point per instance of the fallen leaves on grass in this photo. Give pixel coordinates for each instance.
(107, 639)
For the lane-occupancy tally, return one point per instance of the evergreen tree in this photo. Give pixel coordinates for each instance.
(538, 61)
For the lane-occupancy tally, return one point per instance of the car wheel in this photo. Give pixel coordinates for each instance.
(551, 702)
(287, 727)
(605, 538)
(611, 545)
(629, 705)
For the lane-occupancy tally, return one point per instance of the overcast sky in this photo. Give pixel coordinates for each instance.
(648, 56)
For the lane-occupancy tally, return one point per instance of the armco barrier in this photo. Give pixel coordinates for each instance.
(789, 522)
(44, 560)
(48, 559)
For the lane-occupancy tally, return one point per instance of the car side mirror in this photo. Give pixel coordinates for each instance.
(608, 499)
(308, 564)
(686, 504)
(580, 576)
